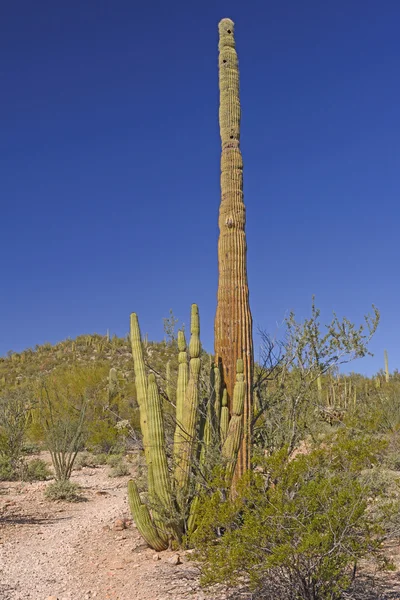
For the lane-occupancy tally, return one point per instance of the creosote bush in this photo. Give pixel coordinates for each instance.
(119, 469)
(298, 528)
(36, 470)
(63, 490)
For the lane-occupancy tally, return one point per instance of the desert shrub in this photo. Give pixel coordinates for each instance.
(15, 406)
(119, 468)
(63, 490)
(65, 396)
(36, 470)
(30, 448)
(114, 459)
(296, 530)
(8, 471)
(102, 436)
(101, 459)
(86, 459)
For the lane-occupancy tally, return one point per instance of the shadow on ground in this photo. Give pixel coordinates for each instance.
(21, 519)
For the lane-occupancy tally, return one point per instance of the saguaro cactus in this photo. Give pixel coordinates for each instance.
(233, 321)
(387, 375)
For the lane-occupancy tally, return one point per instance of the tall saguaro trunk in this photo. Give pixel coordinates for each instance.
(233, 321)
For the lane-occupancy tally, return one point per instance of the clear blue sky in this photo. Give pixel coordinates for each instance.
(110, 149)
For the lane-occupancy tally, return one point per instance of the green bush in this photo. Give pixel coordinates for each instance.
(114, 459)
(101, 459)
(119, 469)
(85, 459)
(36, 470)
(102, 436)
(30, 448)
(7, 471)
(63, 490)
(295, 531)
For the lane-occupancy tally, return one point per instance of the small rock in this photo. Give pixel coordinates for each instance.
(156, 557)
(175, 560)
(51, 598)
(119, 525)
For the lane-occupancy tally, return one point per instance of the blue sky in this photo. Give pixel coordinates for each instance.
(110, 149)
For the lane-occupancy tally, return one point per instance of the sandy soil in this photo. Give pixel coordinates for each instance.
(64, 551)
(73, 551)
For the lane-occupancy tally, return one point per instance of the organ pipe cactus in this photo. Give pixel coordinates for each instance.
(189, 416)
(233, 321)
(172, 488)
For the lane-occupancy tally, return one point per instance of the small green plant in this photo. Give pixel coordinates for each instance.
(8, 472)
(36, 470)
(101, 459)
(63, 490)
(119, 469)
(15, 409)
(30, 448)
(85, 459)
(114, 459)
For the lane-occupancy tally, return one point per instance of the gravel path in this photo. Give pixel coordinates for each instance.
(78, 551)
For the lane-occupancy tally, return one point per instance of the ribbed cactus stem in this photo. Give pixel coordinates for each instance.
(319, 386)
(224, 423)
(157, 446)
(141, 516)
(162, 498)
(233, 439)
(168, 381)
(141, 391)
(216, 393)
(189, 417)
(387, 375)
(233, 321)
(183, 378)
(112, 384)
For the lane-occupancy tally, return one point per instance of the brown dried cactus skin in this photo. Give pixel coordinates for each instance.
(233, 321)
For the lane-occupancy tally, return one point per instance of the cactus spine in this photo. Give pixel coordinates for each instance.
(233, 321)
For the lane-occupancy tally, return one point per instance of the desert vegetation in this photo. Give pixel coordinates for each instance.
(282, 474)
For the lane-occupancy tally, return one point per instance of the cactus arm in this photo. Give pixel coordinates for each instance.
(224, 423)
(168, 381)
(233, 438)
(141, 516)
(189, 417)
(183, 377)
(156, 433)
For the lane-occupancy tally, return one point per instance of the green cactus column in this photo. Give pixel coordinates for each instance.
(387, 375)
(233, 321)
(188, 417)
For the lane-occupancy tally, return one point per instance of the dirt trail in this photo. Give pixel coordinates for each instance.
(73, 551)
(64, 551)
